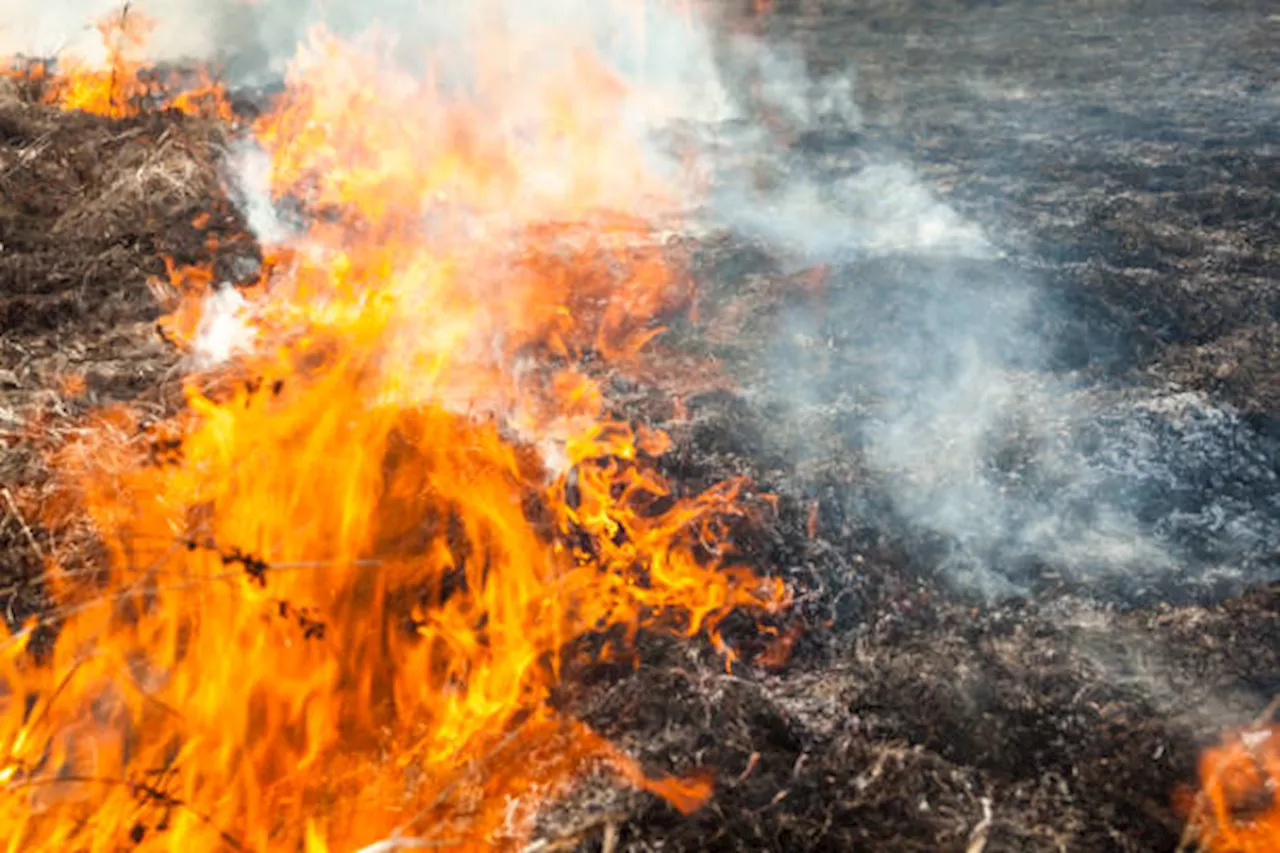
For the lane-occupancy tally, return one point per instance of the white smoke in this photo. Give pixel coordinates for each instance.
(225, 330)
(769, 152)
(67, 28)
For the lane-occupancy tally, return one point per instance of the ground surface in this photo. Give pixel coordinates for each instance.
(1024, 609)
(1124, 163)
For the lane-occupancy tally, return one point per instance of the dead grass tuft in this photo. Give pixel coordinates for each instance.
(143, 180)
(9, 94)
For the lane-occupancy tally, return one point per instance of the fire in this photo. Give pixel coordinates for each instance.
(1237, 810)
(123, 84)
(339, 591)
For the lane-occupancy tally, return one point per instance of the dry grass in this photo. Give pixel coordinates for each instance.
(9, 94)
(156, 180)
(88, 207)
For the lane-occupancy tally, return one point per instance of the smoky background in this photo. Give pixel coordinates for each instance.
(994, 435)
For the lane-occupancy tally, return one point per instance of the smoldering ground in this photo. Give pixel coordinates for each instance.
(999, 405)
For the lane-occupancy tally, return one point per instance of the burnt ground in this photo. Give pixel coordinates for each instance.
(956, 682)
(1073, 591)
(89, 207)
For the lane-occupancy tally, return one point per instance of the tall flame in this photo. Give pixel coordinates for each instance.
(339, 590)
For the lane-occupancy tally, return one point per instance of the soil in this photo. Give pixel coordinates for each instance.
(1123, 161)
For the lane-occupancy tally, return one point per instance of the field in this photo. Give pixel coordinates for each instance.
(1034, 569)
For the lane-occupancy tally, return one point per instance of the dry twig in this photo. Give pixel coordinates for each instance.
(22, 522)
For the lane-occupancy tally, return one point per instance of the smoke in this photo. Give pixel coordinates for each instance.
(62, 28)
(934, 365)
(224, 330)
(939, 366)
(987, 456)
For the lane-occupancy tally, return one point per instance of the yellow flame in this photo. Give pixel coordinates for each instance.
(340, 588)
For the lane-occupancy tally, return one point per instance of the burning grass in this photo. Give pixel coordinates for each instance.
(351, 586)
(1237, 809)
(339, 588)
(124, 84)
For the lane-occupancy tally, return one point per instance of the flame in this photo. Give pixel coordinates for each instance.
(1237, 810)
(338, 591)
(122, 85)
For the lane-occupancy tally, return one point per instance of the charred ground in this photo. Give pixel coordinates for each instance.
(1124, 157)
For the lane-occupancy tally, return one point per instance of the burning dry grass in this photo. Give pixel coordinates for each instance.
(248, 516)
(112, 166)
(86, 204)
(122, 84)
(249, 660)
(1237, 809)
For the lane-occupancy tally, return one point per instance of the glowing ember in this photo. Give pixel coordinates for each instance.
(1237, 810)
(340, 588)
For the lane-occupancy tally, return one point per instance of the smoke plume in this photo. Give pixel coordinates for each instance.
(935, 369)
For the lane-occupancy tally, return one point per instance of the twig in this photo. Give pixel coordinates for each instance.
(115, 64)
(978, 836)
(611, 821)
(610, 842)
(389, 844)
(1267, 714)
(137, 789)
(22, 522)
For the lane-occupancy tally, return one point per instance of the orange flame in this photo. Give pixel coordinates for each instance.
(339, 590)
(1238, 810)
(123, 85)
